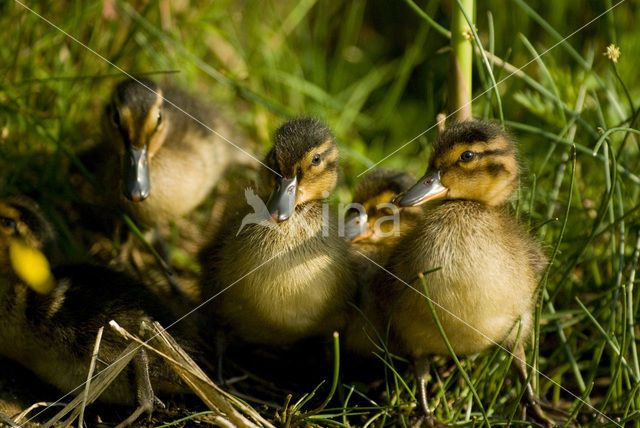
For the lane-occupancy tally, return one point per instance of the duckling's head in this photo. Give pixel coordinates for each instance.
(134, 119)
(473, 160)
(25, 236)
(305, 155)
(372, 200)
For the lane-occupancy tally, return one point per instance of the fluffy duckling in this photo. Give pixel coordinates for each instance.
(286, 277)
(169, 161)
(372, 223)
(374, 226)
(487, 264)
(49, 318)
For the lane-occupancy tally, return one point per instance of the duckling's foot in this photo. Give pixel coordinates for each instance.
(538, 414)
(422, 372)
(429, 421)
(146, 397)
(542, 411)
(158, 404)
(546, 413)
(134, 416)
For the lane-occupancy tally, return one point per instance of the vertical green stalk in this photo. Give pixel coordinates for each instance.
(630, 312)
(461, 61)
(336, 375)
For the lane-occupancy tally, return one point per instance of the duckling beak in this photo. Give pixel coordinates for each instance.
(356, 227)
(135, 171)
(365, 235)
(426, 189)
(283, 200)
(31, 266)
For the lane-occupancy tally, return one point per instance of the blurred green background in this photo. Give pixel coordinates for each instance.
(376, 71)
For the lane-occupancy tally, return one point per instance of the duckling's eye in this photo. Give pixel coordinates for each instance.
(159, 119)
(315, 160)
(467, 156)
(8, 223)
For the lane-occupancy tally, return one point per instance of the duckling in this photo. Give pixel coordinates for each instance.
(51, 330)
(169, 161)
(374, 226)
(287, 277)
(372, 223)
(487, 265)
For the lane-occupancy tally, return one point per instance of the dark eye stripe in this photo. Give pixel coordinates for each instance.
(497, 152)
(495, 169)
(329, 150)
(331, 165)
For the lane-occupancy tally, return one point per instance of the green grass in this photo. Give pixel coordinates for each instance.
(376, 73)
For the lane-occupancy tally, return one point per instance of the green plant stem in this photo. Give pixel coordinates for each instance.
(336, 375)
(609, 132)
(461, 61)
(608, 339)
(439, 28)
(630, 313)
(513, 71)
(476, 39)
(138, 234)
(545, 279)
(565, 44)
(579, 147)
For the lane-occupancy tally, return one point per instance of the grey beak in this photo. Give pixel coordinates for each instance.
(282, 202)
(426, 189)
(135, 174)
(355, 225)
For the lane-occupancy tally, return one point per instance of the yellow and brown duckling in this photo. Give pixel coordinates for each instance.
(287, 277)
(373, 223)
(487, 265)
(169, 161)
(49, 317)
(374, 226)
